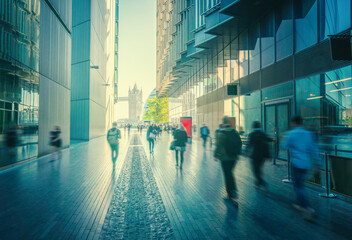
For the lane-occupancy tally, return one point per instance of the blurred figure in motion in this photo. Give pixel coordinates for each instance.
(302, 146)
(258, 151)
(140, 129)
(218, 130)
(228, 147)
(129, 128)
(56, 143)
(204, 133)
(151, 135)
(12, 141)
(113, 137)
(180, 138)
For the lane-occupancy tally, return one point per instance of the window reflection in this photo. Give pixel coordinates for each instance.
(335, 17)
(284, 31)
(19, 78)
(325, 99)
(306, 19)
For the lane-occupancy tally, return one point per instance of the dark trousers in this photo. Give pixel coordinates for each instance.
(298, 176)
(114, 151)
(204, 140)
(230, 183)
(151, 145)
(181, 156)
(257, 167)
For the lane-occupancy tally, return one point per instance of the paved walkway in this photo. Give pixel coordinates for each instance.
(83, 196)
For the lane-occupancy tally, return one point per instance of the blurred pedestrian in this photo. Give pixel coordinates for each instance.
(218, 130)
(113, 137)
(204, 134)
(258, 151)
(228, 148)
(56, 143)
(129, 128)
(180, 138)
(302, 148)
(151, 135)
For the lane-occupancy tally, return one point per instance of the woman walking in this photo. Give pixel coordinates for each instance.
(56, 142)
(151, 137)
(180, 138)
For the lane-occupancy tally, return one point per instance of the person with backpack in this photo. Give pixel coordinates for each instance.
(204, 134)
(113, 137)
(180, 138)
(151, 135)
(228, 148)
(258, 151)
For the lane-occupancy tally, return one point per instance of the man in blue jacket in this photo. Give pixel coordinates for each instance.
(302, 146)
(204, 133)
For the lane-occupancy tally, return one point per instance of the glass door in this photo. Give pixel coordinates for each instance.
(276, 124)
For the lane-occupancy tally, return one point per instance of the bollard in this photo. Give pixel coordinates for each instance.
(327, 194)
(288, 179)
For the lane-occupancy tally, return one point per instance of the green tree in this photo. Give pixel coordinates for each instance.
(157, 110)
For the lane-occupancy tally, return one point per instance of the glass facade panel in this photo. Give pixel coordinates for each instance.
(227, 65)
(308, 100)
(220, 69)
(338, 91)
(213, 74)
(234, 60)
(284, 31)
(306, 20)
(267, 40)
(19, 78)
(250, 108)
(243, 54)
(232, 109)
(335, 17)
(325, 99)
(254, 48)
(278, 91)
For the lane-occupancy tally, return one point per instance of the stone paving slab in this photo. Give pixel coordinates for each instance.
(194, 200)
(63, 199)
(71, 198)
(136, 210)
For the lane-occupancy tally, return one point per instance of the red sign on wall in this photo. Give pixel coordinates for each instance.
(187, 123)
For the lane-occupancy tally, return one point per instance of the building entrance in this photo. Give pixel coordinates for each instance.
(276, 123)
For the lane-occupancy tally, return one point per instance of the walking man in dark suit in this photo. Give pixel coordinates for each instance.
(258, 150)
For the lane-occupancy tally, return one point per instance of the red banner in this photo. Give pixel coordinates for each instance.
(187, 123)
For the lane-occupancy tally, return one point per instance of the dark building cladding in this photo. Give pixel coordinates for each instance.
(277, 52)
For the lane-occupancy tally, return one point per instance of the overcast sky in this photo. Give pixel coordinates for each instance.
(137, 46)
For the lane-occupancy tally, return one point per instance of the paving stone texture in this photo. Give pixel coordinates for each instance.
(85, 196)
(136, 210)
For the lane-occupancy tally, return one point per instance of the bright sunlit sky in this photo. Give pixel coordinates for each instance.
(137, 49)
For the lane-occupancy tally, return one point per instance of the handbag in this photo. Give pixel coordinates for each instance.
(152, 136)
(172, 146)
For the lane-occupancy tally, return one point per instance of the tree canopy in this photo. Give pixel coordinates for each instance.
(157, 110)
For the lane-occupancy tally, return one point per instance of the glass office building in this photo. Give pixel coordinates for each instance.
(277, 53)
(93, 68)
(34, 53)
(116, 81)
